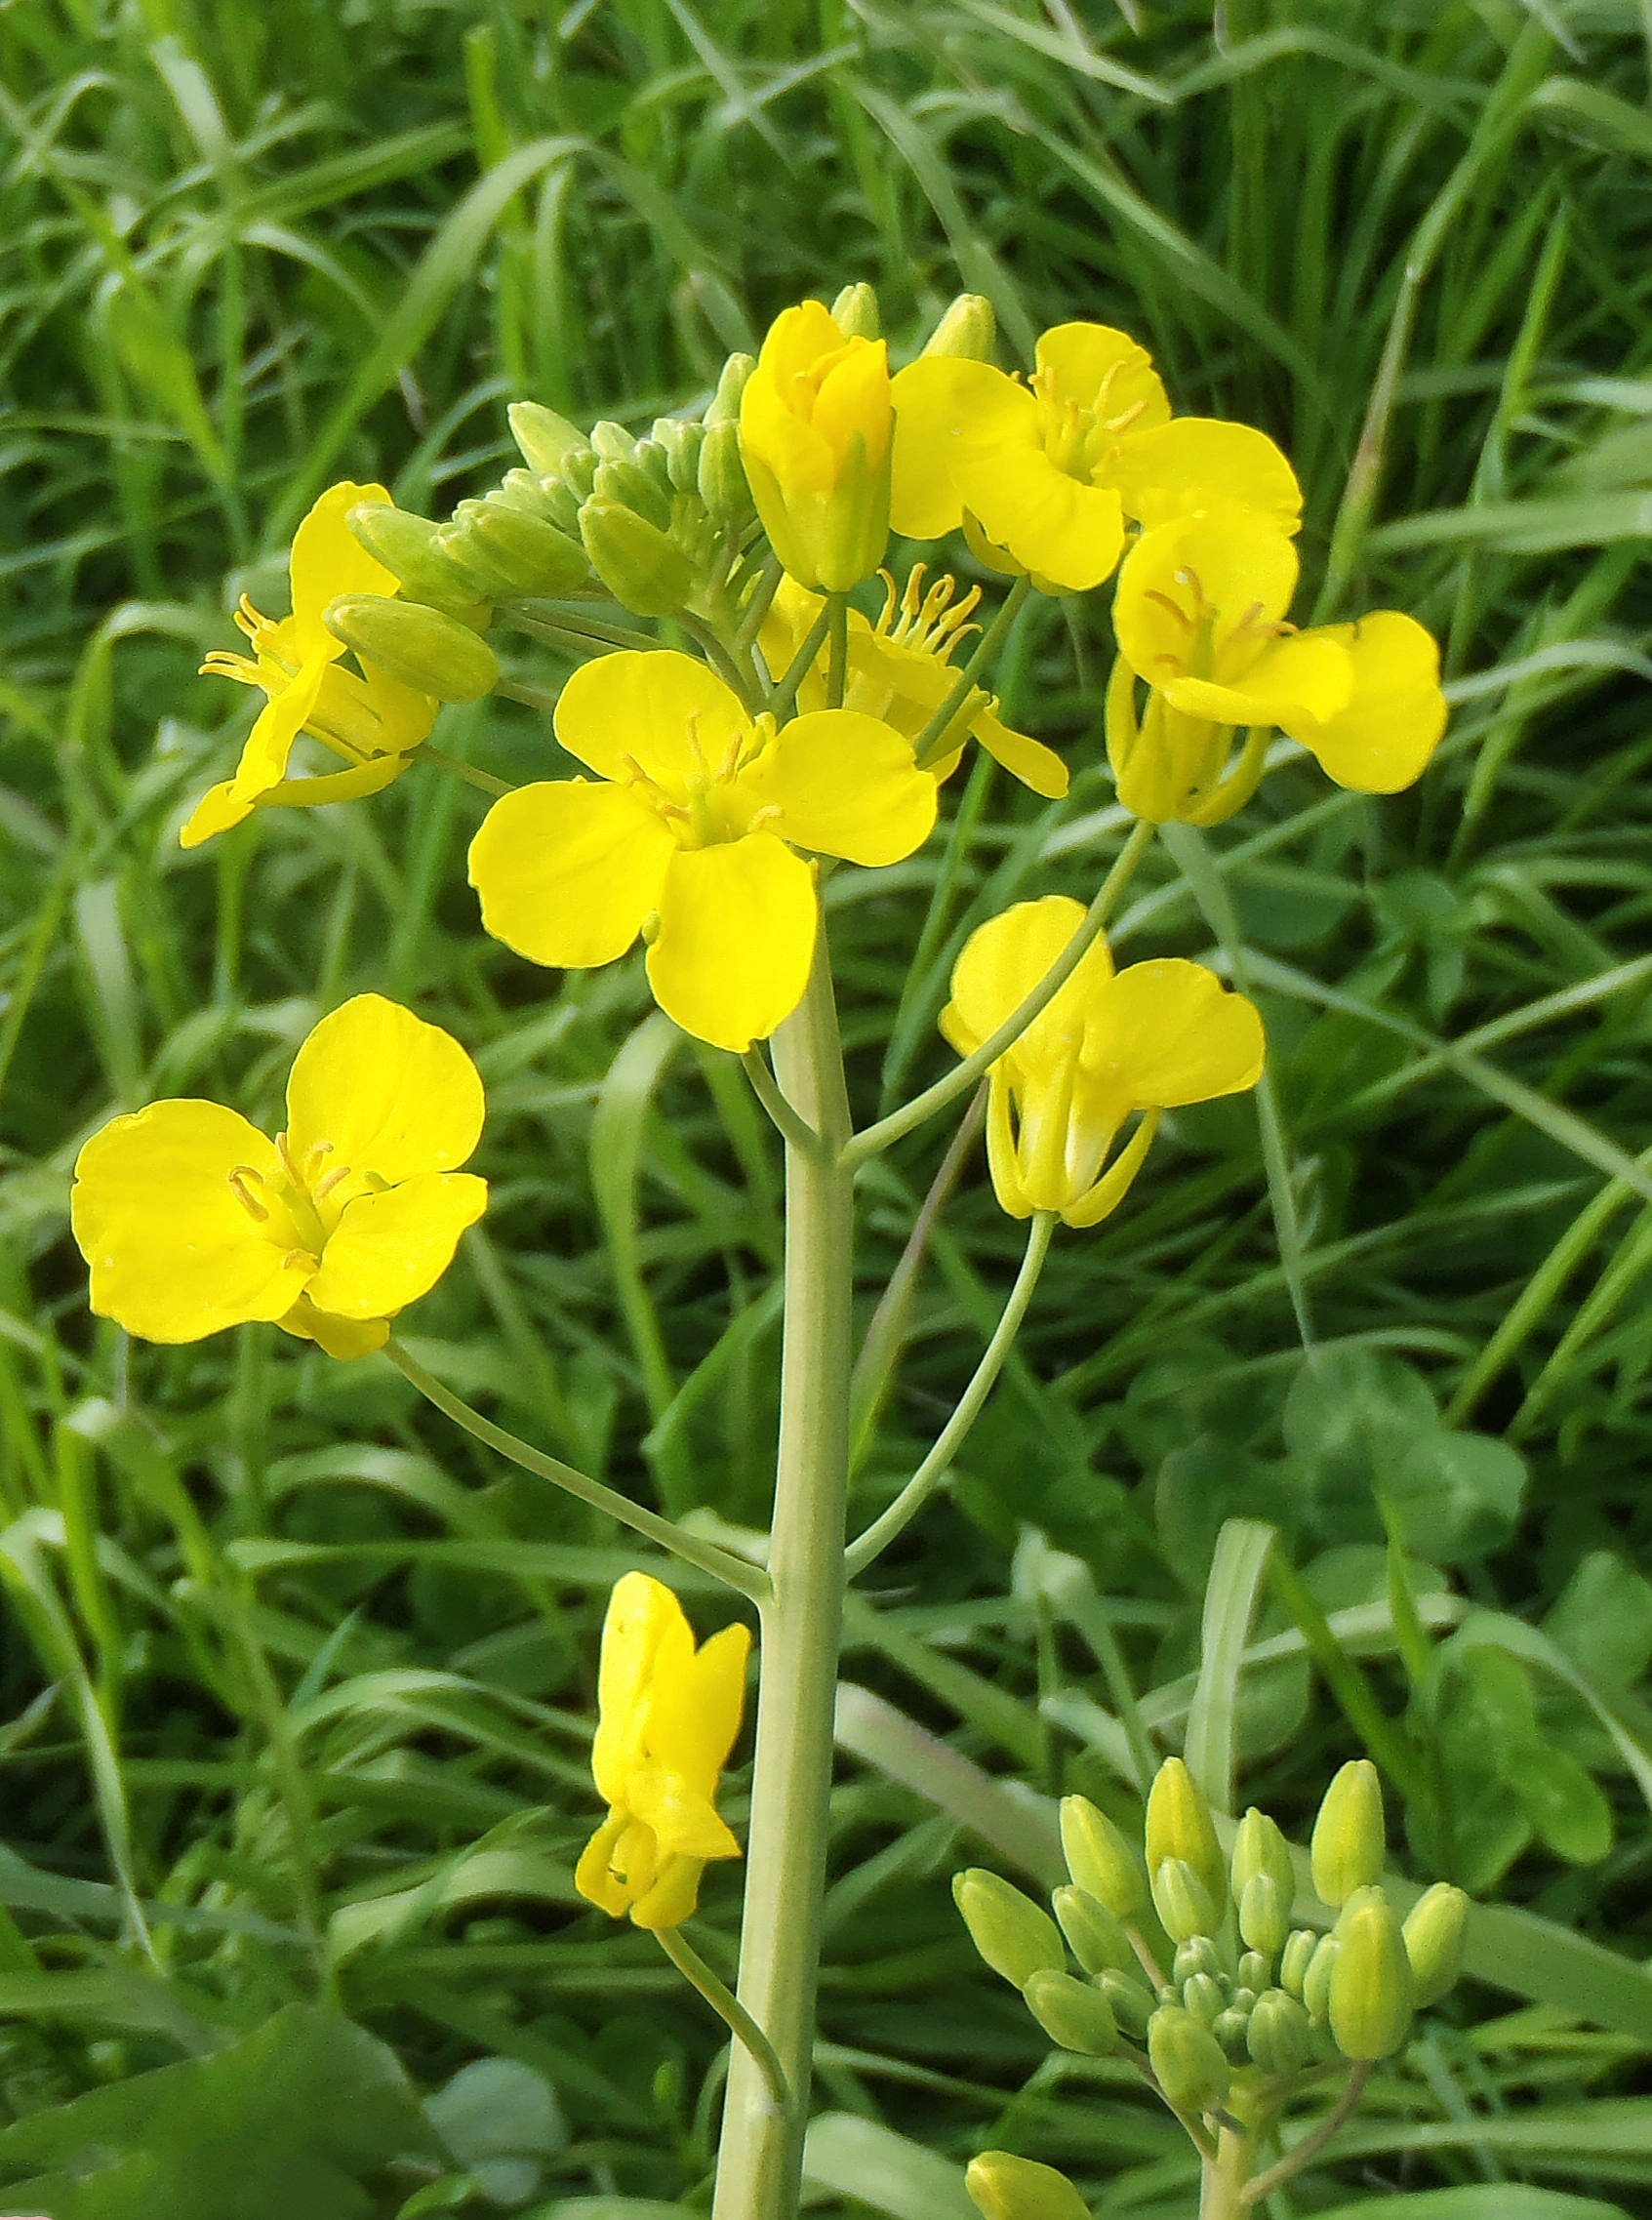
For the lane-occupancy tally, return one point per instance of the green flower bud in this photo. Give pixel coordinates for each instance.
(1349, 1839)
(411, 547)
(1231, 2029)
(1369, 1893)
(1093, 1935)
(1296, 1958)
(1179, 1826)
(855, 312)
(969, 330)
(1259, 1847)
(652, 460)
(1132, 2000)
(1072, 2013)
(1254, 1970)
(680, 442)
(1198, 1954)
(1187, 2059)
(722, 477)
(528, 552)
(1204, 1997)
(1181, 1901)
(1006, 2188)
(1280, 2034)
(611, 442)
(724, 405)
(635, 561)
(1433, 1941)
(1101, 1860)
(1016, 1937)
(1317, 1982)
(1370, 1991)
(1244, 1998)
(579, 472)
(628, 486)
(1265, 1916)
(423, 647)
(545, 439)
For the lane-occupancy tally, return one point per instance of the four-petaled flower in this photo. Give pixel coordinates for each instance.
(667, 1717)
(815, 427)
(372, 721)
(1042, 475)
(900, 670)
(192, 1221)
(1151, 1039)
(690, 839)
(1200, 617)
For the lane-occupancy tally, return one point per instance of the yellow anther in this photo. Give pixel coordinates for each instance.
(244, 1194)
(324, 1187)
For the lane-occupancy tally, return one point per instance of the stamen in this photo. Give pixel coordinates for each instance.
(324, 1187)
(694, 740)
(765, 816)
(1171, 608)
(244, 1194)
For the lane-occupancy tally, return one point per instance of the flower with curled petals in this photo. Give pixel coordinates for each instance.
(815, 427)
(667, 1717)
(690, 835)
(1200, 617)
(900, 670)
(192, 1221)
(1043, 474)
(1108, 1046)
(373, 721)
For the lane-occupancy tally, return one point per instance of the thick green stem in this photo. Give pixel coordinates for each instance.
(760, 2163)
(1223, 2179)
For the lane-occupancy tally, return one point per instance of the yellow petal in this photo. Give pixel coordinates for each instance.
(694, 1717)
(1000, 964)
(1204, 587)
(594, 1877)
(405, 715)
(1383, 739)
(1023, 757)
(389, 1249)
(643, 1632)
(1169, 1034)
(737, 937)
(329, 560)
(854, 402)
(1104, 371)
(378, 1090)
(1304, 676)
(654, 711)
(845, 785)
(797, 338)
(331, 786)
(338, 1337)
(1069, 532)
(1197, 462)
(782, 441)
(942, 405)
(264, 757)
(683, 1821)
(1002, 1158)
(673, 1897)
(567, 871)
(175, 1253)
(790, 619)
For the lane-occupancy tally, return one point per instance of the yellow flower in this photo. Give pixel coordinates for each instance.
(1147, 1039)
(689, 838)
(191, 1220)
(667, 1716)
(1200, 617)
(899, 670)
(373, 721)
(815, 427)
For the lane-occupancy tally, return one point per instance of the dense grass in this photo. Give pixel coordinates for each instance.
(281, 1647)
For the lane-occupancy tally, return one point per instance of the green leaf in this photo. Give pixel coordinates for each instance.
(1483, 2200)
(1457, 1495)
(850, 2156)
(501, 2120)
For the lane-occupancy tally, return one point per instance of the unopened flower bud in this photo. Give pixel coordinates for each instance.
(1204, 1996)
(640, 567)
(1101, 1860)
(855, 312)
(1254, 1970)
(1280, 2034)
(1093, 1935)
(680, 442)
(579, 472)
(1231, 2029)
(1003, 2187)
(423, 647)
(1179, 1826)
(1433, 1941)
(1316, 1981)
(969, 330)
(1296, 1958)
(1265, 1916)
(1072, 2013)
(724, 405)
(1198, 1954)
(1132, 2000)
(1016, 1937)
(1187, 2059)
(411, 547)
(611, 442)
(536, 496)
(545, 439)
(527, 552)
(1259, 1847)
(1371, 1991)
(1350, 1837)
(652, 460)
(722, 476)
(1181, 1901)
(628, 485)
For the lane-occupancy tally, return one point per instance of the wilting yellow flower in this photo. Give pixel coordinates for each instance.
(1147, 1039)
(373, 721)
(1042, 475)
(667, 1716)
(191, 1220)
(1200, 617)
(815, 427)
(899, 670)
(690, 839)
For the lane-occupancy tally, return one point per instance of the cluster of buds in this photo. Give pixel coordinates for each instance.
(1190, 1963)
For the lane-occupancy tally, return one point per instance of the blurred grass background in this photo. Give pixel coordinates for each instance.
(284, 1657)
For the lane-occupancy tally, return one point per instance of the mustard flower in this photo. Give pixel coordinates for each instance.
(1200, 617)
(1151, 1039)
(815, 427)
(667, 1716)
(1042, 475)
(899, 670)
(373, 721)
(193, 1220)
(690, 836)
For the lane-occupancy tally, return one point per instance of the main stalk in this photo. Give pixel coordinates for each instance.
(760, 2163)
